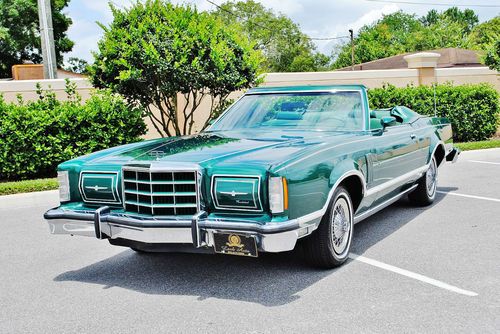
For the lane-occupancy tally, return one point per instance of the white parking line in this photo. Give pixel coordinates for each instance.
(469, 196)
(484, 162)
(411, 274)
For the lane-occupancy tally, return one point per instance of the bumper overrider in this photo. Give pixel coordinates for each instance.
(198, 231)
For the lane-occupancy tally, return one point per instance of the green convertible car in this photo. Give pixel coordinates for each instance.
(281, 164)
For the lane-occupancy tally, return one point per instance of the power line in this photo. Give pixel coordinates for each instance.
(435, 4)
(266, 28)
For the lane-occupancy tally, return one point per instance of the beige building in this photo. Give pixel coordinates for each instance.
(35, 72)
(449, 57)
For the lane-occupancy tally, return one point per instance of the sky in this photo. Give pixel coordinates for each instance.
(317, 18)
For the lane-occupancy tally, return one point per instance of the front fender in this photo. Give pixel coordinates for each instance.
(311, 186)
(347, 168)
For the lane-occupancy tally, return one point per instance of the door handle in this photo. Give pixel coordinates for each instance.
(413, 136)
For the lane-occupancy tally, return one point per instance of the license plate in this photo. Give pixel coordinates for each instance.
(235, 244)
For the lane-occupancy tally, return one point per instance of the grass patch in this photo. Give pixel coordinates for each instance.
(7, 188)
(478, 145)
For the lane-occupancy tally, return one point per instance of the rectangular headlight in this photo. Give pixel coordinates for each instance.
(63, 180)
(278, 194)
(102, 187)
(239, 193)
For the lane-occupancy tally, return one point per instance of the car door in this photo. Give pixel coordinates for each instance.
(423, 136)
(394, 158)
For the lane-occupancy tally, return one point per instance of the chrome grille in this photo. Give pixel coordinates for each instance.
(160, 193)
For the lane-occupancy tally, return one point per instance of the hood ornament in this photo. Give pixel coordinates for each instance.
(157, 155)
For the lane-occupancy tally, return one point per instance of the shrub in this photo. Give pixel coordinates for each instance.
(36, 136)
(472, 109)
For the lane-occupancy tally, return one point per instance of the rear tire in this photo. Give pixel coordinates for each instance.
(329, 246)
(425, 193)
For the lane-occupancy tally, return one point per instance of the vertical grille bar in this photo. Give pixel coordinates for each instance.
(151, 194)
(173, 189)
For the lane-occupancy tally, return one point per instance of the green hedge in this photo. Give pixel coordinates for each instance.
(473, 109)
(36, 136)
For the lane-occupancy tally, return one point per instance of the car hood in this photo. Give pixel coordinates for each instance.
(214, 148)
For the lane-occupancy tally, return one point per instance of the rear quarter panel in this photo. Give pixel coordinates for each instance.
(437, 131)
(443, 131)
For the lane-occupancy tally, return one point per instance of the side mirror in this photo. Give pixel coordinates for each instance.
(386, 121)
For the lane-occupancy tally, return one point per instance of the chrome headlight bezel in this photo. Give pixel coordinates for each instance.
(236, 192)
(96, 192)
(64, 186)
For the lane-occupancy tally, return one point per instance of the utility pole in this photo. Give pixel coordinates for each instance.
(47, 39)
(351, 33)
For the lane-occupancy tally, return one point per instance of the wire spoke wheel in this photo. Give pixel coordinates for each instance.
(431, 178)
(329, 245)
(425, 192)
(341, 223)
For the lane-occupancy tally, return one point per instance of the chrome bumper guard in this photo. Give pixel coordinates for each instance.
(198, 231)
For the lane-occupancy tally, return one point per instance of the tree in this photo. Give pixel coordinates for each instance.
(492, 58)
(484, 35)
(446, 34)
(20, 34)
(285, 47)
(387, 37)
(155, 51)
(76, 65)
(399, 32)
(466, 18)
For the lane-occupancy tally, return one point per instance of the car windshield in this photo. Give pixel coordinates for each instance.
(328, 111)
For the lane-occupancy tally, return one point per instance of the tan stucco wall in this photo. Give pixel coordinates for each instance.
(27, 88)
(468, 75)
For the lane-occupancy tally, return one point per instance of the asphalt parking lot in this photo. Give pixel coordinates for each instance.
(434, 269)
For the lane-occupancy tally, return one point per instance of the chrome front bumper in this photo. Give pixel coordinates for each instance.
(198, 231)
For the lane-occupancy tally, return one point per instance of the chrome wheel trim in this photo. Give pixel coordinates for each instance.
(431, 178)
(341, 220)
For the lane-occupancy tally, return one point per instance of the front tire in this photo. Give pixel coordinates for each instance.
(425, 193)
(329, 245)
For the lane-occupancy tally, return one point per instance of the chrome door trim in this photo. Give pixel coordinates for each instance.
(382, 205)
(397, 180)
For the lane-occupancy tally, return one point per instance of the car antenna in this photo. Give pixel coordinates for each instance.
(435, 111)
